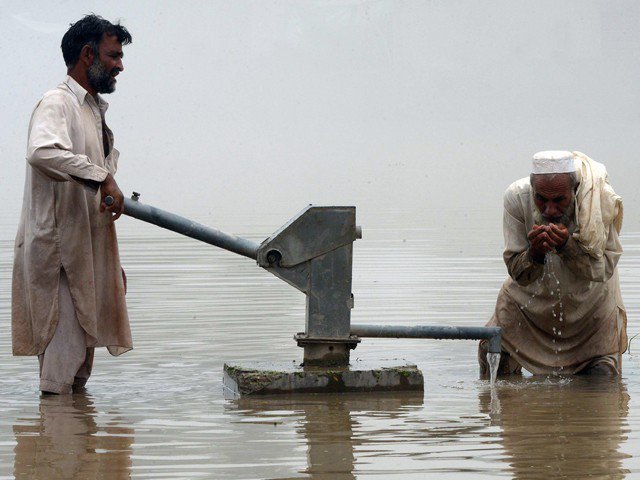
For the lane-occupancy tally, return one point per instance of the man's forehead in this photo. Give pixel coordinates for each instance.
(110, 42)
(553, 181)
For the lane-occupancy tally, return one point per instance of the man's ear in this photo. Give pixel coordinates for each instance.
(87, 55)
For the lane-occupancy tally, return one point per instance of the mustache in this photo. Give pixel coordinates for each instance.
(564, 219)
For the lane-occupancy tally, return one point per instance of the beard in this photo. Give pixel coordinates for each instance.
(100, 79)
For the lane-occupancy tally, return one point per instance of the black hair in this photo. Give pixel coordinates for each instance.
(89, 30)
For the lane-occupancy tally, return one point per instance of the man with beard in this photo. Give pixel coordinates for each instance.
(68, 286)
(560, 309)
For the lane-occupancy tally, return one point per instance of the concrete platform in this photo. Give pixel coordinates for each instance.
(268, 378)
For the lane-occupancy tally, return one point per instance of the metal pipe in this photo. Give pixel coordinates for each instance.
(432, 331)
(184, 226)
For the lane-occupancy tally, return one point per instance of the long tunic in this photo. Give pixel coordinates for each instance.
(557, 316)
(61, 226)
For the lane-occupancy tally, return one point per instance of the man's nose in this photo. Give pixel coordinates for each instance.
(551, 210)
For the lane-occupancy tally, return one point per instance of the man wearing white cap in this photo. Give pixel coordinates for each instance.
(560, 309)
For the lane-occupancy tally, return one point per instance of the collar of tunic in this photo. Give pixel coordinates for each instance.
(81, 94)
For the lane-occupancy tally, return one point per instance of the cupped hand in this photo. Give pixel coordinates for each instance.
(559, 234)
(540, 242)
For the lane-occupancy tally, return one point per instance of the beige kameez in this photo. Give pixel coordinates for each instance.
(559, 316)
(61, 227)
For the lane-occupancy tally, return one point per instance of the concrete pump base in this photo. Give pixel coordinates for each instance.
(268, 378)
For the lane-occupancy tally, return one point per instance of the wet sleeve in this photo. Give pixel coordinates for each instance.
(585, 266)
(521, 267)
(50, 148)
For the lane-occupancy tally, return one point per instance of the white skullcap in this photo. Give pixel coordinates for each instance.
(554, 161)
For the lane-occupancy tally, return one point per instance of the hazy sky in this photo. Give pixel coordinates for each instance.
(428, 109)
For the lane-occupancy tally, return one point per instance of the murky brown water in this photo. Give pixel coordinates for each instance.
(158, 411)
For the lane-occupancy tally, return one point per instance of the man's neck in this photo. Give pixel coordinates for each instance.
(80, 76)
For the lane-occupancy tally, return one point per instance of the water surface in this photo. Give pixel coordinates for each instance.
(158, 411)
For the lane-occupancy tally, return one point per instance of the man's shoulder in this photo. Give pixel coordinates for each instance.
(59, 95)
(518, 188)
(517, 197)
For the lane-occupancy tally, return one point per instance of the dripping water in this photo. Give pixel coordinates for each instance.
(551, 282)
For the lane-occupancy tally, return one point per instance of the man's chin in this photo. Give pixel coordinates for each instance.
(108, 89)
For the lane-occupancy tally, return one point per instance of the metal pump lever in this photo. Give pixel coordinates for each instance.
(313, 252)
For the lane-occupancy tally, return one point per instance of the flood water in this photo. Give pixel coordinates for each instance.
(159, 412)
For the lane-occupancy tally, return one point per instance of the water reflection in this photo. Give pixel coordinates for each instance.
(561, 427)
(66, 442)
(330, 425)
